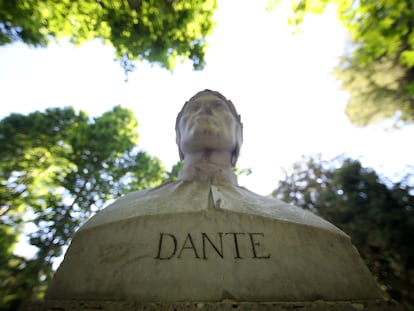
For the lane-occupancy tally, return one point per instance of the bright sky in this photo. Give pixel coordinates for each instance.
(279, 82)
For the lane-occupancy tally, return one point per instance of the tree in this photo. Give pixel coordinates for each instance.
(378, 66)
(159, 31)
(378, 215)
(58, 167)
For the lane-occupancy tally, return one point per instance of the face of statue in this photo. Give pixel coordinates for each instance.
(207, 124)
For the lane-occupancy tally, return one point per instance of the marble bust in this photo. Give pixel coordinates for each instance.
(207, 125)
(205, 238)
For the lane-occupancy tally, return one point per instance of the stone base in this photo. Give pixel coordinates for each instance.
(372, 305)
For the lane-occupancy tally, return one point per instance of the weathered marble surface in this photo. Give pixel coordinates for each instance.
(375, 305)
(204, 238)
(190, 196)
(227, 244)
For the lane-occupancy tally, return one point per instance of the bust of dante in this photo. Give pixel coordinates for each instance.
(209, 137)
(209, 130)
(205, 238)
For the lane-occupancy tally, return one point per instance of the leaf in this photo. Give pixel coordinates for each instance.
(58, 168)
(376, 213)
(158, 31)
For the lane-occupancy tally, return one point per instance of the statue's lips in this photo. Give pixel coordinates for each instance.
(204, 120)
(204, 126)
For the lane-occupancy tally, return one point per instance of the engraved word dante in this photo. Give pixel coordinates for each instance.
(204, 246)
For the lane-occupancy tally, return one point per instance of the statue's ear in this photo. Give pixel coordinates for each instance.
(181, 154)
(235, 156)
(239, 142)
(177, 140)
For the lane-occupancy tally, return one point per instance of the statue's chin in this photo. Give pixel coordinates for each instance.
(206, 138)
(211, 144)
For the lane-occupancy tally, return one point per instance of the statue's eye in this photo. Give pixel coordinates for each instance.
(217, 105)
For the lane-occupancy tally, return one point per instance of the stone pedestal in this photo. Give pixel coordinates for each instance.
(374, 305)
(191, 241)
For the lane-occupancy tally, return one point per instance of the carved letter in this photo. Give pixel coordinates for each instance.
(205, 237)
(190, 240)
(174, 240)
(254, 244)
(236, 243)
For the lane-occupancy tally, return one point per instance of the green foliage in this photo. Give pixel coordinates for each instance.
(173, 174)
(378, 66)
(57, 169)
(158, 31)
(242, 171)
(378, 216)
(379, 90)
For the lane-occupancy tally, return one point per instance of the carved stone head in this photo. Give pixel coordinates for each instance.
(208, 121)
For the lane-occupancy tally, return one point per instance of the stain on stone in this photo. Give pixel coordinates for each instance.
(114, 253)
